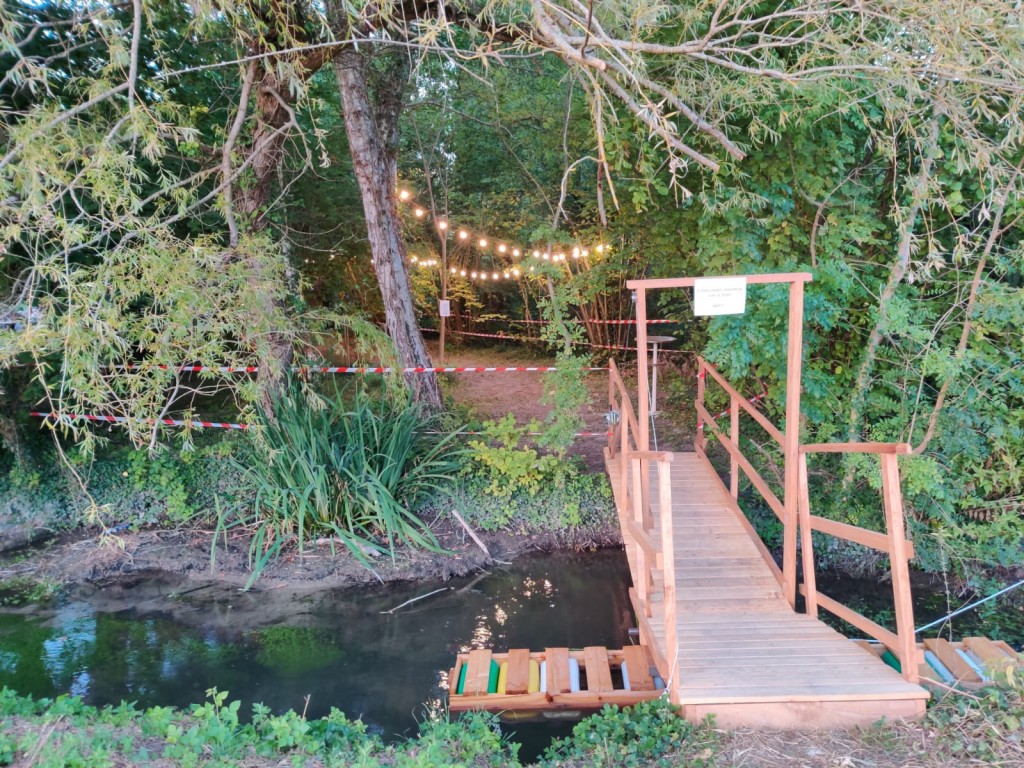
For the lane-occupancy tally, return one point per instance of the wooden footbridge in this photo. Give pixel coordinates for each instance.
(719, 615)
(720, 624)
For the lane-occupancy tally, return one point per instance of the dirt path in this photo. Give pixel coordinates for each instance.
(492, 395)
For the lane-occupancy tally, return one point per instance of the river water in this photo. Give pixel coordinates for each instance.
(159, 641)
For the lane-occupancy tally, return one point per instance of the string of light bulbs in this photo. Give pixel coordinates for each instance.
(481, 242)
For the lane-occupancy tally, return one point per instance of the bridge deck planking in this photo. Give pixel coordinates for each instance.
(742, 652)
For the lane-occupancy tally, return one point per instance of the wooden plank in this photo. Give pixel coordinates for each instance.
(947, 654)
(901, 448)
(518, 679)
(864, 624)
(745, 404)
(687, 282)
(479, 672)
(1006, 647)
(558, 670)
(639, 668)
(900, 553)
(599, 674)
(849, 532)
(992, 656)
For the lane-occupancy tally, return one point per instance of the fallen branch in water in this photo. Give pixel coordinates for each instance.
(421, 597)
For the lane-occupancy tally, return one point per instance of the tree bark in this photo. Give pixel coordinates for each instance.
(372, 134)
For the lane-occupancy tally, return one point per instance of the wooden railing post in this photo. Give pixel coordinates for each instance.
(698, 437)
(807, 542)
(899, 563)
(791, 446)
(612, 406)
(638, 514)
(734, 435)
(669, 576)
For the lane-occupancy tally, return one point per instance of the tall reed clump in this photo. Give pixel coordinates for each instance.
(352, 468)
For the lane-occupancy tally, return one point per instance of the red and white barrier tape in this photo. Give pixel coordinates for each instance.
(367, 370)
(122, 419)
(548, 322)
(752, 400)
(508, 337)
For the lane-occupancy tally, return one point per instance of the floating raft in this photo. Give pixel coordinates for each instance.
(967, 664)
(557, 682)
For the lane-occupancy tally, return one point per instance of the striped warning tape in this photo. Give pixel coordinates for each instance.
(753, 400)
(69, 417)
(548, 322)
(364, 369)
(510, 337)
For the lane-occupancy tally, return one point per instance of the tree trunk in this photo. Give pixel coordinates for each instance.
(369, 135)
(250, 200)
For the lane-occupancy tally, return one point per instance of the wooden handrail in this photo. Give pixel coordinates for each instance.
(895, 448)
(748, 469)
(688, 282)
(893, 542)
(627, 415)
(666, 456)
(756, 415)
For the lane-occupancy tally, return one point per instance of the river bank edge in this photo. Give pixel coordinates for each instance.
(207, 556)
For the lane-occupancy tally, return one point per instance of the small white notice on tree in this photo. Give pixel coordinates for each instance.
(719, 296)
(445, 308)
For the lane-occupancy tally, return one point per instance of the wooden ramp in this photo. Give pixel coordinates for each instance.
(741, 651)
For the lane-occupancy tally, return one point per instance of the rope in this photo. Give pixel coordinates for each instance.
(966, 608)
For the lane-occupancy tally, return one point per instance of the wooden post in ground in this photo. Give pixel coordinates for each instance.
(698, 436)
(899, 563)
(807, 542)
(791, 446)
(734, 435)
(643, 439)
(668, 576)
(643, 385)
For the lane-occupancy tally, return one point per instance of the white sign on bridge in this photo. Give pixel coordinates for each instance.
(719, 296)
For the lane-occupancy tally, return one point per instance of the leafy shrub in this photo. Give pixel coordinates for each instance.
(353, 471)
(503, 483)
(986, 728)
(505, 466)
(649, 734)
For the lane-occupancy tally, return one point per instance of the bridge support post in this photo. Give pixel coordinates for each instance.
(791, 446)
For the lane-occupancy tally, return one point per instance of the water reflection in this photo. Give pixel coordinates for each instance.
(151, 643)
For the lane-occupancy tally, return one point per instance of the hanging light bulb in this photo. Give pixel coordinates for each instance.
(473, 275)
(575, 253)
(515, 272)
(463, 234)
(414, 259)
(600, 249)
(494, 276)
(536, 254)
(585, 253)
(547, 256)
(531, 269)
(505, 275)
(462, 273)
(454, 270)
(442, 225)
(516, 252)
(404, 194)
(419, 213)
(502, 248)
(483, 242)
